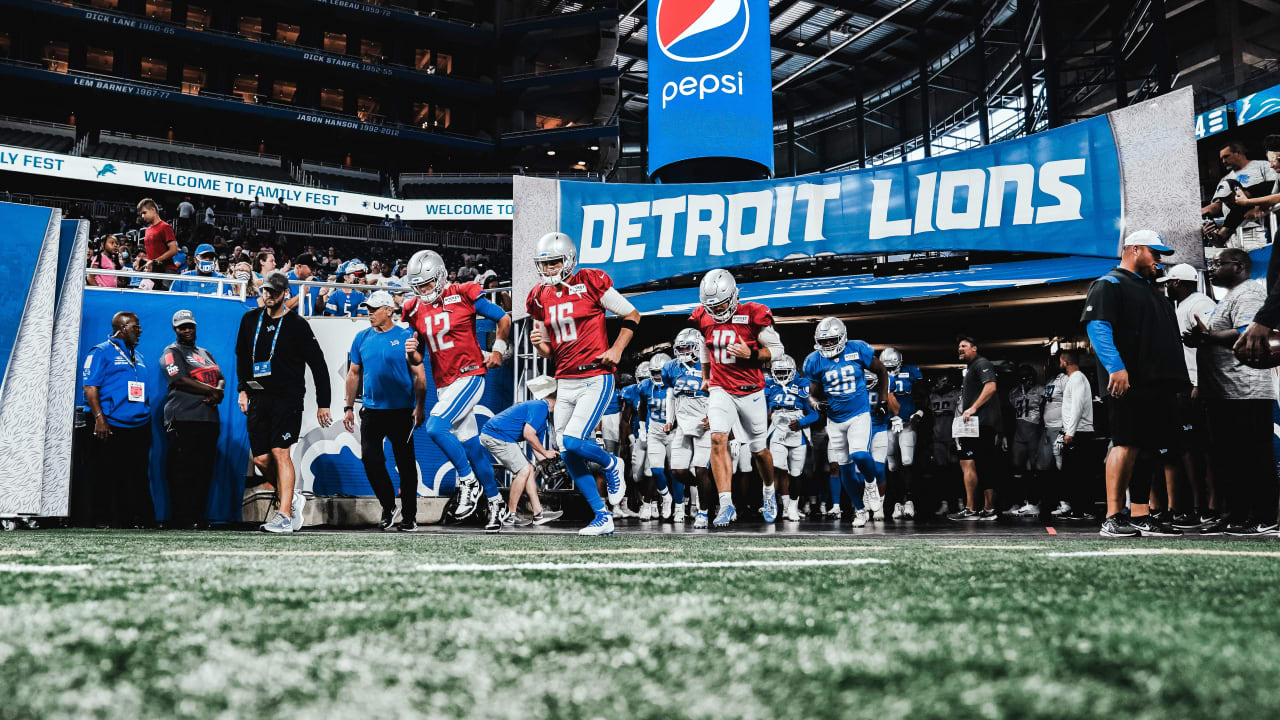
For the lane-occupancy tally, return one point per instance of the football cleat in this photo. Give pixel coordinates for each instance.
(726, 515)
(601, 525)
(646, 512)
(909, 510)
(899, 510)
(700, 520)
(1064, 508)
(872, 499)
(860, 518)
(667, 506)
(770, 509)
(613, 480)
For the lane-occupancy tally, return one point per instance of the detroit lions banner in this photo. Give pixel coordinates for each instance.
(1072, 190)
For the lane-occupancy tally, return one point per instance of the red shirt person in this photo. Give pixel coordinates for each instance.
(160, 243)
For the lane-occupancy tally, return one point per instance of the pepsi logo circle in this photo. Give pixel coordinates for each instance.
(700, 30)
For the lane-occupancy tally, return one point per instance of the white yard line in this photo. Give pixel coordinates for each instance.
(616, 551)
(24, 553)
(42, 569)
(993, 547)
(680, 565)
(811, 548)
(1165, 551)
(282, 553)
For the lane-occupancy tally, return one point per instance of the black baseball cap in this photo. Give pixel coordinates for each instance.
(306, 259)
(276, 281)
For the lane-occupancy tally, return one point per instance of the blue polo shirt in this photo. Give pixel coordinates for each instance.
(388, 384)
(110, 366)
(202, 286)
(343, 303)
(509, 424)
(310, 303)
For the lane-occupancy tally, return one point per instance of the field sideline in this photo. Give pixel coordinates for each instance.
(203, 625)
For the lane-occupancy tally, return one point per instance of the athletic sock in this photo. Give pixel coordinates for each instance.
(584, 481)
(849, 477)
(726, 499)
(769, 491)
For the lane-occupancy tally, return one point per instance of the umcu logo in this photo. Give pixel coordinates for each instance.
(698, 30)
(379, 205)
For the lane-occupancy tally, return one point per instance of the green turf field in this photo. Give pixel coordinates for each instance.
(943, 628)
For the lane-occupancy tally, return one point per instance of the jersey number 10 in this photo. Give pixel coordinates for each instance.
(720, 341)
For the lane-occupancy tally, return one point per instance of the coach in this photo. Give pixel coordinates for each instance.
(115, 388)
(1134, 332)
(272, 348)
(191, 421)
(394, 392)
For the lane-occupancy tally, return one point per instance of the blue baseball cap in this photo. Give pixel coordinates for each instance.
(204, 248)
(1151, 239)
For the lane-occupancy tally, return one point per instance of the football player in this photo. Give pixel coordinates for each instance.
(837, 375)
(1027, 399)
(881, 423)
(738, 339)
(1048, 461)
(631, 416)
(657, 398)
(790, 414)
(568, 307)
(690, 441)
(443, 318)
(906, 384)
(944, 399)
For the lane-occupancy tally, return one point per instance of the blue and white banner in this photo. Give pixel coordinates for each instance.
(335, 202)
(1055, 192)
(1263, 103)
(710, 91)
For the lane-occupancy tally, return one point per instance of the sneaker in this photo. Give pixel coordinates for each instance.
(835, 513)
(278, 524)
(1209, 517)
(1214, 527)
(1028, 510)
(726, 515)
(700, 520)
(965, 515)
(770, 509)
(468, 494)
(1081, 516)
(668, 504)
(1148, 526)
(408, 525)
(823, 511)
(497, 514)
(909, 510)
(510, 520)
(295, 510)
(389, 516)
(1063, 509)
(1015, 509)
(861, 517)
(791, 509)
(898, 511)
(613, 480)
(988, 516)
(646, 512)
(623, 510)
(1253, 529)
(943, 509)
(547, 516)
(1118, 526)
(601, 525)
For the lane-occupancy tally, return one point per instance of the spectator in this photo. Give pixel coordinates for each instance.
(263, 263)
(256, 207)
(1252, 345)
(160, 243)
(206, 270)
(1239, 401)
(341, 302)
(209, 217)
(304, 302)
(977, 445)
(525, 421)
(244, 271)
(272, 385)
(282, 210)
(1254, 178)
(108, 258)
(394, 399)
(1080, 456)
(501, 299)
(115, 389)
(1181, 285)
(1134, 333)
(375, 275)
(196, 387)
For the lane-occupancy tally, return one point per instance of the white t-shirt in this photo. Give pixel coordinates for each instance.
(186, 209)
(1197, 303)
(255, 209)
(1254, 172)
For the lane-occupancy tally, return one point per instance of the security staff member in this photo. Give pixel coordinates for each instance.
(1134, 332)
(191, 421)
(394, 393)
(271, 349)
(115, 389)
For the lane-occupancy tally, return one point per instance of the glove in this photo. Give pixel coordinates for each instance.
(816, 404)
(895, 424)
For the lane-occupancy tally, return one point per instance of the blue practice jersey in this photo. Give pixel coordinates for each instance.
(902, 383)
(631, 396)
(843, 379)
(686, 380)
(655, 396)
(792, 396)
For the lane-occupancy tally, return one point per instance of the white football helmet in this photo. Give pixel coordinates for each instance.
(891, 359)
(642, 371)
(555, 247)
(688, 346)
(656, 363)
(718, 293)
(427, 275)
(830, 337)
(783, 369)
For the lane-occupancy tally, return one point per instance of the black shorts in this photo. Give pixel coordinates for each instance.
(1146, 418)
(274, 422)
(1191, 417)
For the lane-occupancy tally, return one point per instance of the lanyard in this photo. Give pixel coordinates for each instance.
(132, 362)
(273, 340)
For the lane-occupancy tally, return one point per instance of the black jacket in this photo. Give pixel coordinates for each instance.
(296, 348)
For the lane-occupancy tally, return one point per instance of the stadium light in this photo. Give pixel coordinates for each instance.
(551, 152)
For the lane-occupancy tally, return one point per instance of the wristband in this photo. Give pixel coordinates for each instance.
(500, 346)
(349, 408)
(631, 325)
(755, 354)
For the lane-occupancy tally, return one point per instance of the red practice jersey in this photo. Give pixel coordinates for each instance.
(574, 321)
(448, 330)
(739, 376)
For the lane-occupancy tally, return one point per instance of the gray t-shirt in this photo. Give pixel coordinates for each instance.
(979, 373)
(1221, 375)
(198, 364)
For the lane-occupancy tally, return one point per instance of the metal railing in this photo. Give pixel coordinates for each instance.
(409, 178)
(146, 142)
(360, 231)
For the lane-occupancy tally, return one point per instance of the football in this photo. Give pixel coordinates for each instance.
(1273, 353)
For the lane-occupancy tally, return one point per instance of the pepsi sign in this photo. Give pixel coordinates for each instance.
(710, 85)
